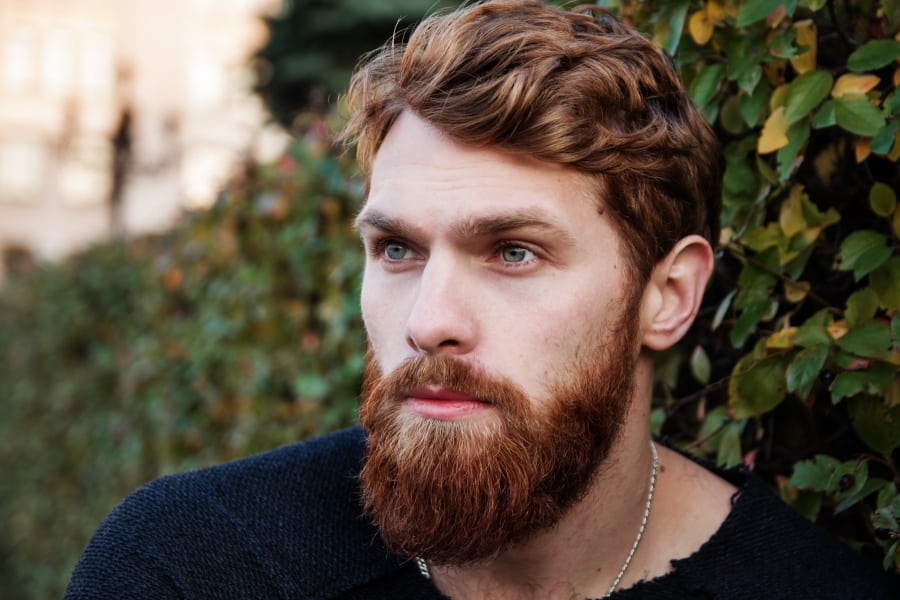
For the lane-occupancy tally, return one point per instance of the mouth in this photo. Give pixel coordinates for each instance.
(435, 402)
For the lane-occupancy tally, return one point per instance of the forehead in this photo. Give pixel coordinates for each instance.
(420, 171)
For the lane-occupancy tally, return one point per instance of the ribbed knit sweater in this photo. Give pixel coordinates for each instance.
(287, 524)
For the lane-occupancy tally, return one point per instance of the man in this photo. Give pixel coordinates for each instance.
(542, 197)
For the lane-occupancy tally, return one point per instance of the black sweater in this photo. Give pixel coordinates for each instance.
(286, 524)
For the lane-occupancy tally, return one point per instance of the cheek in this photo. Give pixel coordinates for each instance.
(382, 309)
(372, 307)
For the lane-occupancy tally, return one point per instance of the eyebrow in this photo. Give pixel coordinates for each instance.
(472, 227)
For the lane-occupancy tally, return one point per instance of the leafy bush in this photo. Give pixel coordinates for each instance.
(236, 332)
(239, 330)
(799, 342)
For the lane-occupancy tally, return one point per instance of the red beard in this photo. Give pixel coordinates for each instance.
(456, 492)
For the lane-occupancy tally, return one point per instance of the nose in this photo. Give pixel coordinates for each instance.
(443, 317)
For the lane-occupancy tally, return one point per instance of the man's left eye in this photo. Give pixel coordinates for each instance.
(516, 254)
(395, 251)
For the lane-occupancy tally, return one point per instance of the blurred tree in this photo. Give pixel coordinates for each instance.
(314, 44)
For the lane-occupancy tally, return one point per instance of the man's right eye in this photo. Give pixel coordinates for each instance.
(395, 251)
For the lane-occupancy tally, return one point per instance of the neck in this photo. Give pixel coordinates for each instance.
(585, 551)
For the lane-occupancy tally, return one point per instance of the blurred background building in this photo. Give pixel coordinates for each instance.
(117, 114)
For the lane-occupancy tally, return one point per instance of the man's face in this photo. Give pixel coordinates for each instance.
(502, 329)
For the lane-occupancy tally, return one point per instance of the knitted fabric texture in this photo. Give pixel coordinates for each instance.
(287, 524)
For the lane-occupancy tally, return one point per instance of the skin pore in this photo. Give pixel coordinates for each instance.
(506, 263)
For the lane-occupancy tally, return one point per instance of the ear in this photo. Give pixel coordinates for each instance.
(673, 294)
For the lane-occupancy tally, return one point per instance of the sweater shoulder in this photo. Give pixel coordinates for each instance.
(766, 549)
(285, 521)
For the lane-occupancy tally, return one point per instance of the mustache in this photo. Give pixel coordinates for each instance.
(446, 372)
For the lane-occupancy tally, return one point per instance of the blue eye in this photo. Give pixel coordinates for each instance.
(515, 254)
(395, 251)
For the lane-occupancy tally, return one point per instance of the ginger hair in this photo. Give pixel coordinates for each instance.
(575, 88)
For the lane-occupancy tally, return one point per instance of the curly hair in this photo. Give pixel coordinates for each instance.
(575, 88)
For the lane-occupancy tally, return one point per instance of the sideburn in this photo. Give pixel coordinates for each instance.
(457, 492)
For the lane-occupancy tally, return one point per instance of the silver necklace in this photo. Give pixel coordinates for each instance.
(423, 567)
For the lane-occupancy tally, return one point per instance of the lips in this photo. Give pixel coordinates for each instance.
(435, 402)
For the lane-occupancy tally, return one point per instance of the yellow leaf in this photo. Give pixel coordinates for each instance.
(837, 329)
(897, 78)
(715, 11)
(862, 149)
(791, 214)
(811, 234)
(701, 27)
(725, 235)
(782, 339)
(794, 292)
(851, 83)
(774, 133)
(806, 36)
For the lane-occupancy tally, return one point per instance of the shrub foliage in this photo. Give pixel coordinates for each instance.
(236, 332)
(798, 346)
(239, 330)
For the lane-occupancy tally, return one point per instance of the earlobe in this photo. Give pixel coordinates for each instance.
(674, 292)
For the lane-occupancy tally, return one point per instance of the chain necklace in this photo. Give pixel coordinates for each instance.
(423, 567)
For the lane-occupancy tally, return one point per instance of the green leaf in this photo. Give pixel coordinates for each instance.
(757, 386)
(884, 139)
(874, 54)
(756, 10)
(797, 136)
(729, 451)
(887, 495)
(804, 369)
(746, 323)
(871, 485)
(873, 380)
(805, 93)
(895, 329)
(848, 479)
(753, 105)
(744, 54)
(755, 286)
(675, 15)
(824, 116)
(872, 339)
(814, 474)
(748, 80)
(706, 83)
(814, 330)
(730, 117)
(856, 114)
(862, 252)
(700, 367)
(723, 307)
(861, 306)
(882, 199)
(885, 280)
(876, 424)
